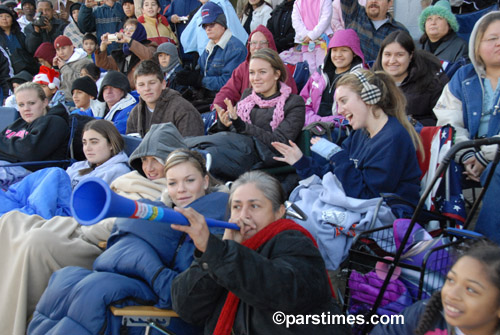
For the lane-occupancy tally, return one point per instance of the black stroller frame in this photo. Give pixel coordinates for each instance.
(366, 252)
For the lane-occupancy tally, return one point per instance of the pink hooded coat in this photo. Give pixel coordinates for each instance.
(240, 81)
(313, 90)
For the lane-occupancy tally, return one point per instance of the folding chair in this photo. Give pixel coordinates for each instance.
(145, 316)
(7, 116)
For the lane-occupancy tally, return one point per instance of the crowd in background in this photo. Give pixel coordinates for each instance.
(213, 91)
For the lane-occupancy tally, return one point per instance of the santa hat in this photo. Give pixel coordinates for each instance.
(47, 76)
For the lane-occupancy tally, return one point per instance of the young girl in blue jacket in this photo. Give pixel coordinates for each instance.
(468, 303)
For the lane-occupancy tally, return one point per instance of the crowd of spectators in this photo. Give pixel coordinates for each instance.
(212, 89)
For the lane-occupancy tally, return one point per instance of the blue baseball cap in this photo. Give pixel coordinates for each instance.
(213, 13)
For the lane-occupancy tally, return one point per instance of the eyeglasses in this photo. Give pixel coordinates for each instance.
(208, 25)
(259, 43)
(491, 40)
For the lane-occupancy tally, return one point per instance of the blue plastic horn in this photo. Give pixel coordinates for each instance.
(92, 201)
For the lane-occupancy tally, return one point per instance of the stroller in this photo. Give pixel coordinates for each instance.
(391, 267)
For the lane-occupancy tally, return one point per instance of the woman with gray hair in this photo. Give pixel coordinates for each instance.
(271, 265)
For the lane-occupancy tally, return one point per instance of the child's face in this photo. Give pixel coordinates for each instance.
(149, 88)
(342, 58)
(150, 8)
(48, 92)
(163, 59)
(74, 14)
(129, 29)
(65, 52)
(89, 46)
(81, 99)
(14, 86)
(129, 9)
(44, 63)
(470, 299)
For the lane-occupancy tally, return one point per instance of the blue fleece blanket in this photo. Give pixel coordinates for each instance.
(45, 192)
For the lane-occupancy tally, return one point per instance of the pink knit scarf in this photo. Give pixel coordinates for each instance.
(246, 105)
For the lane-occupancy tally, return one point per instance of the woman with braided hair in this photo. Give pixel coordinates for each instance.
(468, 303)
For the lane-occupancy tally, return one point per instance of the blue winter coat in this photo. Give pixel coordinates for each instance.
(142, 259)
(465, 85)
(220, 64)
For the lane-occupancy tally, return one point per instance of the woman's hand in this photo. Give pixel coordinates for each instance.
(291, 153)
(306, 40)
(473, 169)
(315, 140)
(223, 116)
(232, 234)
(197, 230)
(233, 115)
(121, 38)
(240, 235)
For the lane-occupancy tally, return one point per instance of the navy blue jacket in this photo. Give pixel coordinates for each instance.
(366, 167)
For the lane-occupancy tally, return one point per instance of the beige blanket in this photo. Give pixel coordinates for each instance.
(32, 248)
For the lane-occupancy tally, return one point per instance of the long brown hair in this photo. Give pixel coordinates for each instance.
(107, 130)
(392, 102)
(272, 57)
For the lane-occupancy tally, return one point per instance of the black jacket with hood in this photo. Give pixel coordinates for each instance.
(280, 25)
(159, 142)
(45, 138)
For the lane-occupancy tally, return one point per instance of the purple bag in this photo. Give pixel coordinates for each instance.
(365, 289)
(419, 244)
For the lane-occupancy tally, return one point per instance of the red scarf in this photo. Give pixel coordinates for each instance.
(228, 313)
